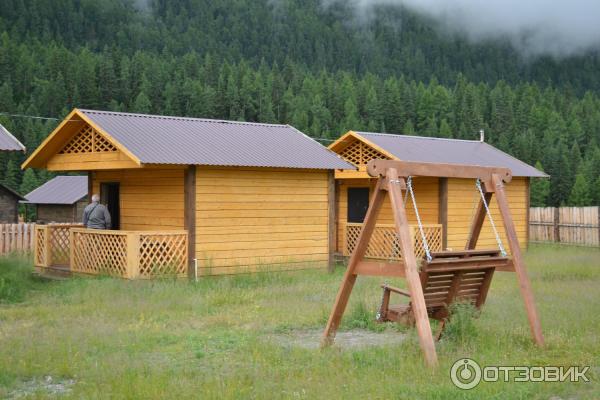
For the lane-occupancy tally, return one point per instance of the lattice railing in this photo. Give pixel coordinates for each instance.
(99, 252)
(129, 254)
(87, 140)
(384, 242)
(359, 153)
(162, 254)
(52, 244)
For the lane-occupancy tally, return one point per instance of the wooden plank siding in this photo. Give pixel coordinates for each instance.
(253, 219)
(462, 200)
(426, 193)
(150, 198)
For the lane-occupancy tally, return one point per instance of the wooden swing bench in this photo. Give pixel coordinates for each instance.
(451, 276)
(445, 277)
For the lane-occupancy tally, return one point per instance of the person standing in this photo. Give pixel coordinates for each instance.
(96, 215)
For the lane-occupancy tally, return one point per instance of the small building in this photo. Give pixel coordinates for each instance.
(61, 199)
(9, 205)
(446, 205)
(9, 199)
(240, 196)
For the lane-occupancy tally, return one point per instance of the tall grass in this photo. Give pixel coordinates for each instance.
(214, 338)
(15, 278)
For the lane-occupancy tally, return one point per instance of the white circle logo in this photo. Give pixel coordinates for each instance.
(465, 374)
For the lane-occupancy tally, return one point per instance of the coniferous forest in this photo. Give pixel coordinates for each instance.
(316, 66)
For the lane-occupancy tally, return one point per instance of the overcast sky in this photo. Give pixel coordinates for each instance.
(554, 27)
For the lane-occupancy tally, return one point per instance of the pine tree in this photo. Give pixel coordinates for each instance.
(540, 189)
(30, 182)
(580, 194)
(11, 177)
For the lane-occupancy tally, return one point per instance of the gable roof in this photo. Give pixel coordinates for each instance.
(441, 150)
(8, 142)
(156, 139)
(62, 189)
(10, 191)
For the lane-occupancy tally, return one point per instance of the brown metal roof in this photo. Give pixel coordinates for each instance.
(450, 151)
(157, 139)
(8, 142)
(63, 189)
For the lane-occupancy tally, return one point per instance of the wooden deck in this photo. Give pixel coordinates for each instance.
(65, 249)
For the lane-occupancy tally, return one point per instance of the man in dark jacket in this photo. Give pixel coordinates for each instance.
(96, 215)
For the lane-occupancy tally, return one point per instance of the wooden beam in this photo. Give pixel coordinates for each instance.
(407, 168)
(332, 218)
(189, 215)
(410, 267)
(90, 188)
(380, 268)
(527, 210)
(341, 300)
(519, 265)
(443, 209)
(477, 222)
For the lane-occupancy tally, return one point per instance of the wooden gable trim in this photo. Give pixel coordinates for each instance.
(61, 135)
(339, 145)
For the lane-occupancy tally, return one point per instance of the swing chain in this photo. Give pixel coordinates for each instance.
(489, 214)
(409, 189)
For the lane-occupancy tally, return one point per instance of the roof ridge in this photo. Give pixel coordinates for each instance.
(418, 137)
(174, 117)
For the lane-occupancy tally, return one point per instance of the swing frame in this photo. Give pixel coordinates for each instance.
(392, 177)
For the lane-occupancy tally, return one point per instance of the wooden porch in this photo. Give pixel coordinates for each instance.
(384, 243)
(124, 254)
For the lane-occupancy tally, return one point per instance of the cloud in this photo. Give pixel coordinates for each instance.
(534, 27)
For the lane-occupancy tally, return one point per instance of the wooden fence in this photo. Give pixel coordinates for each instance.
(569, 225)
(16, 237)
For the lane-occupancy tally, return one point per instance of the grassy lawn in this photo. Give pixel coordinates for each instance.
(225, 337)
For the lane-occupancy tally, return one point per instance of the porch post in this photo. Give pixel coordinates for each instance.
(189, 216)
(443, 210)
(332, 218)
(133, 255)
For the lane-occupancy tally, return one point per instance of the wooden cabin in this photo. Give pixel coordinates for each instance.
(446, 206)
(9, 205)
(60, 200)
(9, 198)
(192, 195)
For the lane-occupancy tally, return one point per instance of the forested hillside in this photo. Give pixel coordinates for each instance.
(298, 62)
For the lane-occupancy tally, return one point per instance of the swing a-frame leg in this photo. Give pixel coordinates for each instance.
(393, 184)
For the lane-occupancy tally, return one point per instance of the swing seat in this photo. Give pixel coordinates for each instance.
(462, 276)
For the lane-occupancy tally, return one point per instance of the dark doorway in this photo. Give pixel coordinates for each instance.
(358, 203)
(109, 196)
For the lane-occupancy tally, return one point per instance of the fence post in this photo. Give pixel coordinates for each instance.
(557, 224)
(133, 255)
(72, 265)
(47, 247)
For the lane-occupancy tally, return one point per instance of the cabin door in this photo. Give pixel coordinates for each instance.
(109, 196)
(358, 203)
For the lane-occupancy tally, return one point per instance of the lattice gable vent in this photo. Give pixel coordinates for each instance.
(87, 140)
(359, 153)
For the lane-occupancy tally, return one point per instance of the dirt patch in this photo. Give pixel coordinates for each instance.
(344, 340)
(46, 385)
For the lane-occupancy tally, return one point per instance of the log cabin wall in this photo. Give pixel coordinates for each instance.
(260, 219)
(150, 198)
(462, 200)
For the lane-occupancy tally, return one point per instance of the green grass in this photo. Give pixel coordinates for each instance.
(214, 339)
